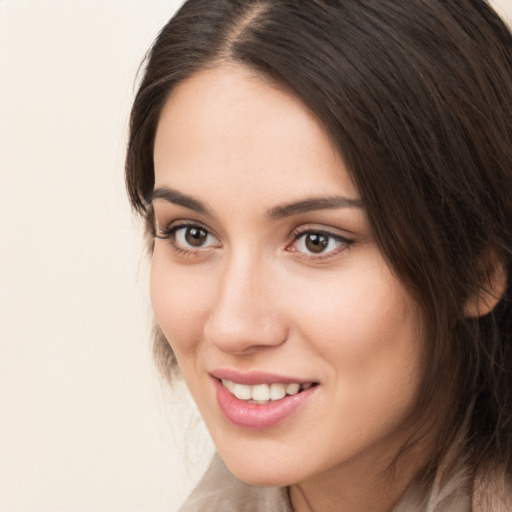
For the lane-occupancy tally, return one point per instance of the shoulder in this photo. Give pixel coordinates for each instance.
(489, 490)
(220, 490)
(492, 491)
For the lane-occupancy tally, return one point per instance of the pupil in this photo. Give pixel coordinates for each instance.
(195, 236)
(316, 243)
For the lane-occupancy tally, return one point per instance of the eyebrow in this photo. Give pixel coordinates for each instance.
(287, 210)
(313, 204)
(173, 196)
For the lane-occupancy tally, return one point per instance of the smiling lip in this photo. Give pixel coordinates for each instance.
(254, 378)
(257, 416)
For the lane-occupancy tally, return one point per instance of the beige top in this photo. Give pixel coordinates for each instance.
(220, 491)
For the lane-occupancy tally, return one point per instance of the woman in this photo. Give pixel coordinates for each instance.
(327, 190)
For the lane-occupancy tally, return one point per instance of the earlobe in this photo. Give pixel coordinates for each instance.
(486, 299)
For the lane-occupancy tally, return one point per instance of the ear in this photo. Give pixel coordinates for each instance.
(495, 284)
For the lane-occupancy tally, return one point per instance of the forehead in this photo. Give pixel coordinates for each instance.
(227, 124)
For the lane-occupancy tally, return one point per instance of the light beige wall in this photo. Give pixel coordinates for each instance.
(505, 8)
(83, 423)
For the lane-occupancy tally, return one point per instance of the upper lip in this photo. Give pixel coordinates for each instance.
(255, 377)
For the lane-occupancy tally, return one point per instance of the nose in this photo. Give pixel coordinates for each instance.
(245, 315)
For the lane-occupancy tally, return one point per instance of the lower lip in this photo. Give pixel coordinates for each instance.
(256, 416)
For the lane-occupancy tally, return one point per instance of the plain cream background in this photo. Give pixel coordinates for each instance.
(85, 424)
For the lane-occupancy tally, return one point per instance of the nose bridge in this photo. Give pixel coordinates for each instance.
(245, 313)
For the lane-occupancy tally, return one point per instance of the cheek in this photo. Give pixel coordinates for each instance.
(365, 324)
(367, 332)
(179, 305)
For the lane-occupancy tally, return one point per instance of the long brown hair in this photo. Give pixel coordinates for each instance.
(417, 96)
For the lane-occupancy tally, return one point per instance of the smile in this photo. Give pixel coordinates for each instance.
(264, 393)
(255, 404)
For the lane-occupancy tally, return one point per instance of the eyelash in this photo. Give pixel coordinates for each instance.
(170, 232)
(343, 243)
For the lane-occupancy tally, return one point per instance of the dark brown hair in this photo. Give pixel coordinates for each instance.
(417, 96)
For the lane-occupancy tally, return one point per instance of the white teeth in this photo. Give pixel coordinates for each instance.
(229, 385)
(242, 392)
(263, 393)
(277, 391)
(292, 389)
(260, 392)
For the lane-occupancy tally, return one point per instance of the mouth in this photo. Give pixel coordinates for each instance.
(258, 401)
(262, 394)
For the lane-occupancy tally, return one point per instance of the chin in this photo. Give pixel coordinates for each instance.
(260, 478)
(263, 472)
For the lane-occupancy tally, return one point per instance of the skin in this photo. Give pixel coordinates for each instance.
(253, 297)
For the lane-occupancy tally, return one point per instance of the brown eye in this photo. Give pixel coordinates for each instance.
(195, 237)
(190, 238)
(319, 243)
(316, 242)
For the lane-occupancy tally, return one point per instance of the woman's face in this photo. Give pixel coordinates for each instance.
(265, 274)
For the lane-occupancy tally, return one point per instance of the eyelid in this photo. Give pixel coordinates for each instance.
(169, 232)
(344, 241)
(173, 225)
